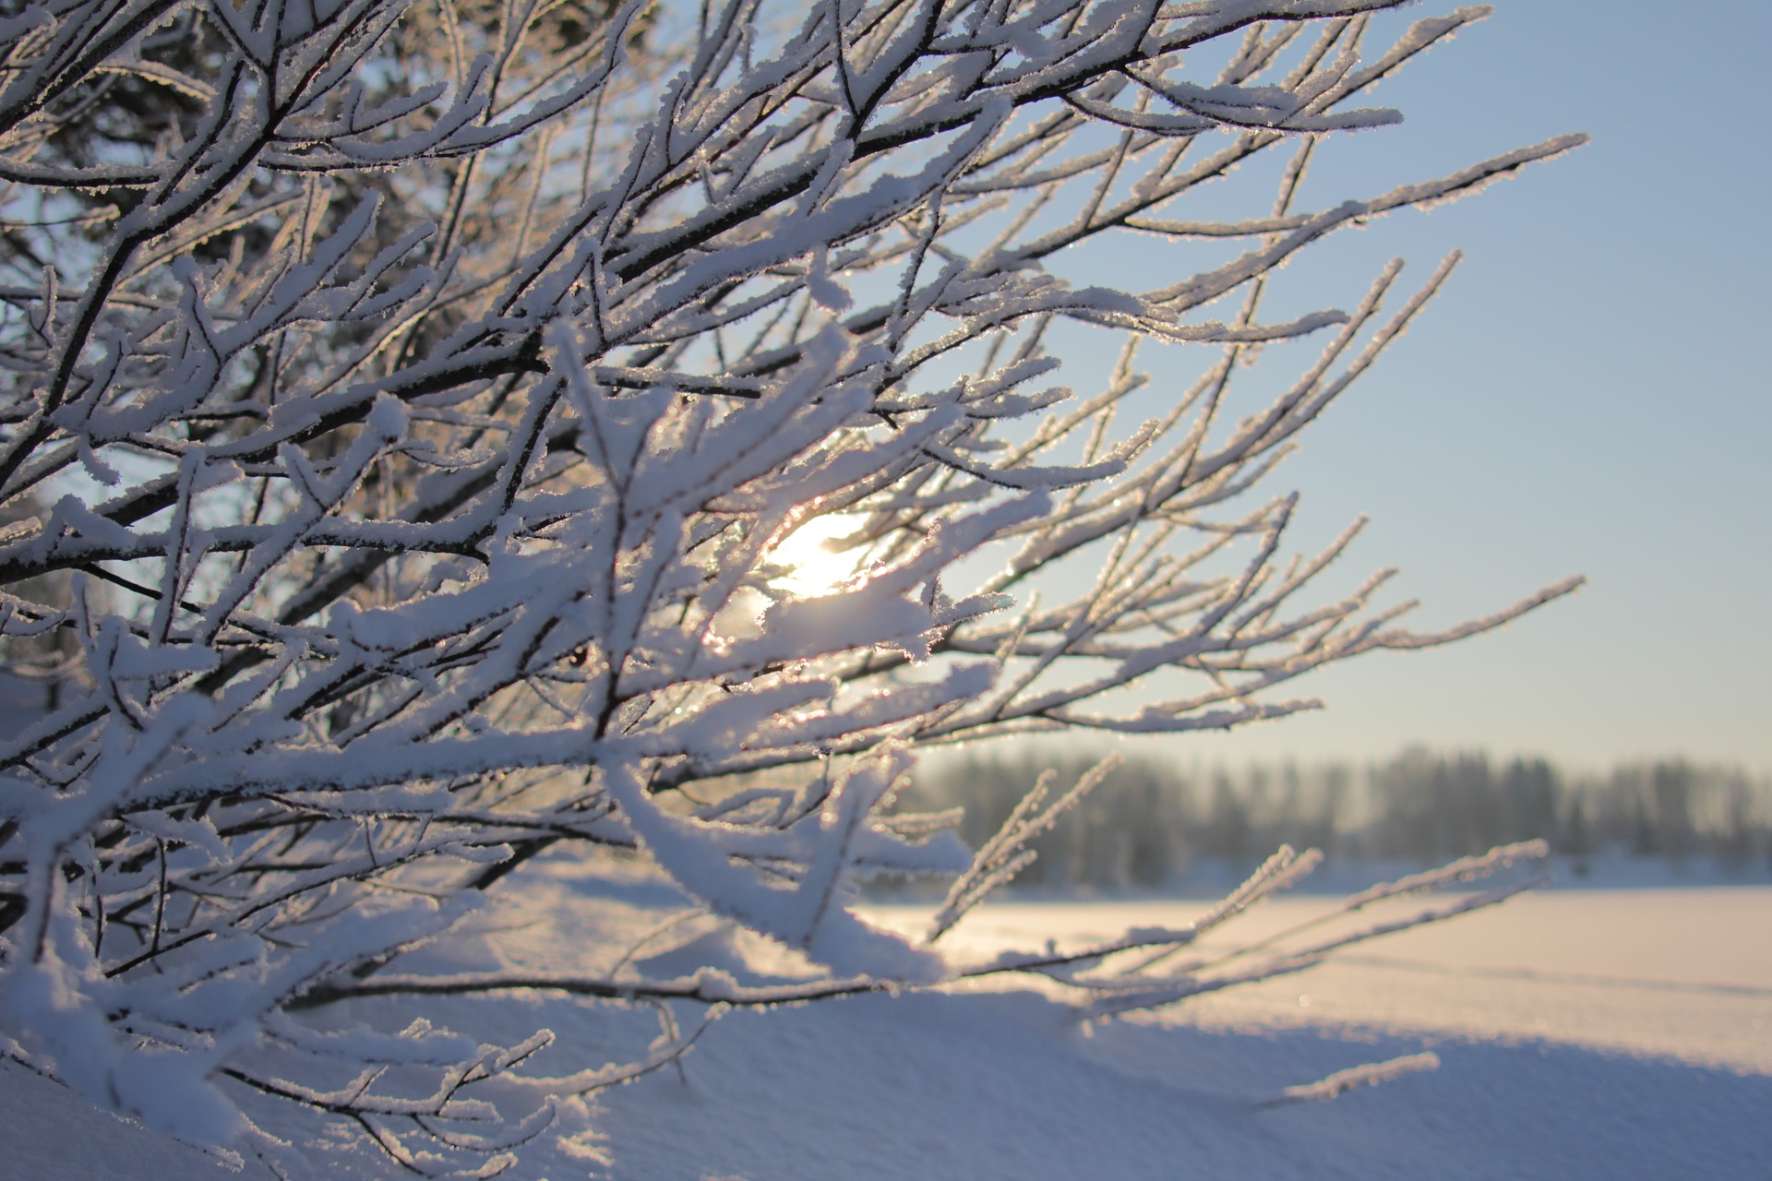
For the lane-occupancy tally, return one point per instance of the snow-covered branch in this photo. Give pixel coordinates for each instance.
(408, 414)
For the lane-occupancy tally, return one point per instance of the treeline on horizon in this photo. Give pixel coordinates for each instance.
(1148, 823)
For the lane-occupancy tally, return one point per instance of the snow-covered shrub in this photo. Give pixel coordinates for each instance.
(436, 392)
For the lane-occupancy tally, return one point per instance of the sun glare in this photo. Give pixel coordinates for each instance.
(811, 566)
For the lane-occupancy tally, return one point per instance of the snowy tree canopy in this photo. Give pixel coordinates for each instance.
(408, 409)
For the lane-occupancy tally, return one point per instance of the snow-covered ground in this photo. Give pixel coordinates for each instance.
(1582, 1034)
(1684, 973)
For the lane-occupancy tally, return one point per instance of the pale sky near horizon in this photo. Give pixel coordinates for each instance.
(1586, 396)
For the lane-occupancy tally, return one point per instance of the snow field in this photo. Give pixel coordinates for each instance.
(1541, 1076)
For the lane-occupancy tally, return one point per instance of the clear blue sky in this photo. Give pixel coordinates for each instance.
(1589, 395)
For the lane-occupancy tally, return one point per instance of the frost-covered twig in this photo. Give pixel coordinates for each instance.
(1006, 854)
(1369, 1075)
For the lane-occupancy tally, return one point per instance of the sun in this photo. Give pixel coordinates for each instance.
(811, 567)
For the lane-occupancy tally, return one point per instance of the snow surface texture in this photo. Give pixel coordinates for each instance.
(1006, 1083)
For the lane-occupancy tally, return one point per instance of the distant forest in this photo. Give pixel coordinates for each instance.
(1148, 823)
